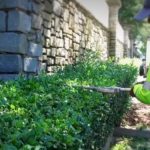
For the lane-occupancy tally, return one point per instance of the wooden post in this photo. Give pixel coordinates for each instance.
(121, 132)
(109, 142)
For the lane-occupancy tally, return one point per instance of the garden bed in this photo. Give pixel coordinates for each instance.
(131, 144)
(46, 112)
(138, 116)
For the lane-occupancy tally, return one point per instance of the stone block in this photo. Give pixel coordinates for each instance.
(57, 24)
(46, 16)
(66, 15)
(40, 58)
(44, 57)
(23, 4)
(35, 50)
(53, 32)
(83, 44)
(76, 38)
(47, 33)
(80, 21)
(39, 1)
(60, 61)
(47, 24)
(2, 21)
(52, 68)
(76, 46)
(48, 52)
(61, 52)
(13, 43)
(53, 23)
(71, 22)
(47, 42)
(66, 43)
(44, 50)
(60, 34)
(37, 22)
(48, 6)
(39, 37)
(31, 65)
(60, 42)
(66, 28)
(31, 36)
(10, 63)
(57, 8)
(60, 1)
(66, 55)
(43, 67)
(53, 52)
(8, 77)
(71, 7)
(76, 18)
(35, 7)
(53, 41)
(19, 21)
(50, 61)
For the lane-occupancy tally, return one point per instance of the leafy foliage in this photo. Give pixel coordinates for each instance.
(46, 112)
(139, 30)
(131, 61)
(131, 144)
(128, 10)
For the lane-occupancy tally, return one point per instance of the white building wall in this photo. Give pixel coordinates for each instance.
(120, 33)
(98, 8)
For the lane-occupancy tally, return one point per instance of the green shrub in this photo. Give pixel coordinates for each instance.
(131, 61)
(46, 112)
(131, 144)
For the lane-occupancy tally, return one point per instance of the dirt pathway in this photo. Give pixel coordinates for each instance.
(137, 118)
(139, 115)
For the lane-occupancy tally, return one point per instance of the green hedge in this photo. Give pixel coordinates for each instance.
(47, 113)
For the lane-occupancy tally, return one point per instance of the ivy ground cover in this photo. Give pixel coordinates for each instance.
(47, 113)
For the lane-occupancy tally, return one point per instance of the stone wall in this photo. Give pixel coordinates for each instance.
(20, 37)
(40, 35)
(44, 34)
(68, 30)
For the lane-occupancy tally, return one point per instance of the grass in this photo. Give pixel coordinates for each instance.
(131, 144)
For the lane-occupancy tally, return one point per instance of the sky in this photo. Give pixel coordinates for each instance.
(98, 8)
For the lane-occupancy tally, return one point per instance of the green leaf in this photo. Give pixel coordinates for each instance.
(8, 147)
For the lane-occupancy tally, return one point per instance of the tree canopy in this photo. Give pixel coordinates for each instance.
(138, 29)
